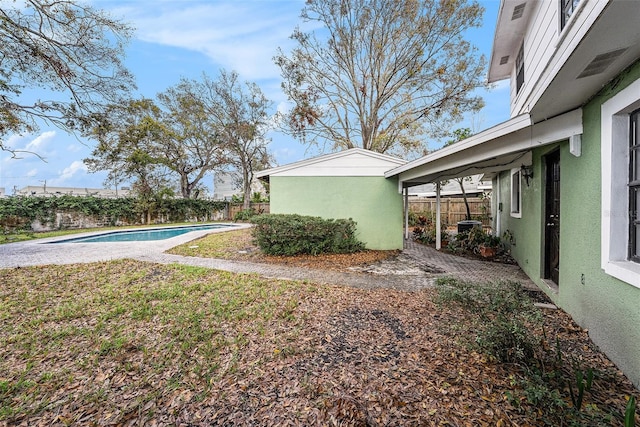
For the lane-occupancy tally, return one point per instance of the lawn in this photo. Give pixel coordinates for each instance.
(238, 245)
(133, 343)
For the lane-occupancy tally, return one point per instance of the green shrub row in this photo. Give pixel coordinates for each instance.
(21, 211)
(279, 234)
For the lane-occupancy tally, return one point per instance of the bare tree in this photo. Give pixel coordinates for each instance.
(381, 74)
(66, 49)
(193, 143)
(459, 135)
(240, 112)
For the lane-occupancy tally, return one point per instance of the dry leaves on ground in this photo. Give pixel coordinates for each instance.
(238, 245)
(131, 343)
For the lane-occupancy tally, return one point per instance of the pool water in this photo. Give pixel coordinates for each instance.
(142, 235)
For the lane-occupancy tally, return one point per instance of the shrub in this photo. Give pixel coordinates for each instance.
(469, 241)
(425, 230)
(244, 215)
(502, 314)
(280, 234)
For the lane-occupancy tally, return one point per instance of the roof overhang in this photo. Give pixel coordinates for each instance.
(513, 18)
(600, 40)
(382, 163)
(615, 33)
(499, 148)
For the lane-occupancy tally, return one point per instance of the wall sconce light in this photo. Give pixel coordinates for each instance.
(575, 145)
(527, 173)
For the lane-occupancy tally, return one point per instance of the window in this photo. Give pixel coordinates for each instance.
(520, 68)
(620, 235)
(634, 187)
(516, 195)
(567, 8)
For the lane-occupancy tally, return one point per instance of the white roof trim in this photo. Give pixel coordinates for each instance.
(499, 148)
(324, 158)
(513, 125)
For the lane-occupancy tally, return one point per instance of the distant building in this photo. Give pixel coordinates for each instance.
(225, 187)
(72, 191)
(473, 186)
(2, 192)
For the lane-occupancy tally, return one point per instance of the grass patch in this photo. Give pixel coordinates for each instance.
(134, 343)
(225, 245)
(127, 316)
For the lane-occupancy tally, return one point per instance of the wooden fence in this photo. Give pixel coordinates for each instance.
(453, 210)
(233, 209)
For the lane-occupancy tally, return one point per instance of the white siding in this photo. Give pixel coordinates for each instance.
(546, 49)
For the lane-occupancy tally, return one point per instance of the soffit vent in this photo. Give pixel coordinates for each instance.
(518, 11)
(601, 62)
(504, 60)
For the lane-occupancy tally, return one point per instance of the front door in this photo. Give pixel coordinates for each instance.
(552, 218)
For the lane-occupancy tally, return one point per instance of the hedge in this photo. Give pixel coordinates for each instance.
(26, 209)
(289, 234)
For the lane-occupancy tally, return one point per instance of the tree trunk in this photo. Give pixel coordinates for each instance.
(464, 197)
(246, 184)
(185, 188)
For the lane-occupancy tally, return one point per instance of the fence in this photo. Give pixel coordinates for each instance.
(453, 210)
(233, 209)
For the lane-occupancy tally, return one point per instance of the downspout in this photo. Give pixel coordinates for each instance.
(438, 239)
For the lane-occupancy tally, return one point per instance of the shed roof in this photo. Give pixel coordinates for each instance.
(504, 146)
(351, 162)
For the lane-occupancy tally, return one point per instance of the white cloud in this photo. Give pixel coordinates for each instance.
(32, 173)
(242, 36)
(13, 141)
(39, 143)
(74, 168)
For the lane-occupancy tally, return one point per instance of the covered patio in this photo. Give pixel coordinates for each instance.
(503, 147)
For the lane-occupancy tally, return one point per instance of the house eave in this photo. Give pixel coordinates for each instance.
(502, 147)
(264, 175)
(507, 38)
(510, 126)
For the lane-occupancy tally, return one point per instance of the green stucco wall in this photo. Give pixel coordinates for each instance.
(607, 307)
(373, 202)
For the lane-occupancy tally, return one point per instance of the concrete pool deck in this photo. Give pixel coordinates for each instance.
(417, 267)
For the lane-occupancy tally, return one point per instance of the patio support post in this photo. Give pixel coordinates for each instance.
(497, 206)
(438, 240)
(406, 213)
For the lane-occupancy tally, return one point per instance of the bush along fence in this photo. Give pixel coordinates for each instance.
(69, 212)
(236, 212)
(452, 210)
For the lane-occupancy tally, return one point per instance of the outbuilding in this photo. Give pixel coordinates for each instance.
(347, 184)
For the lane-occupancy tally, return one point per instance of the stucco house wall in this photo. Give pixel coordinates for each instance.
(373, 202)
(348, 184)
(597, 301)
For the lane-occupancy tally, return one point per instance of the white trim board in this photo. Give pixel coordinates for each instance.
(614, 216)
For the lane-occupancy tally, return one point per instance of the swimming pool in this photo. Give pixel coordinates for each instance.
(142, 235)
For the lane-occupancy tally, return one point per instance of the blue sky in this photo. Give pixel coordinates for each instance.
(183, 38)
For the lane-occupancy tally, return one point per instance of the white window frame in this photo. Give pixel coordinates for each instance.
(615, 209)
(515, 207)
(566, 19)
(520, 68)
